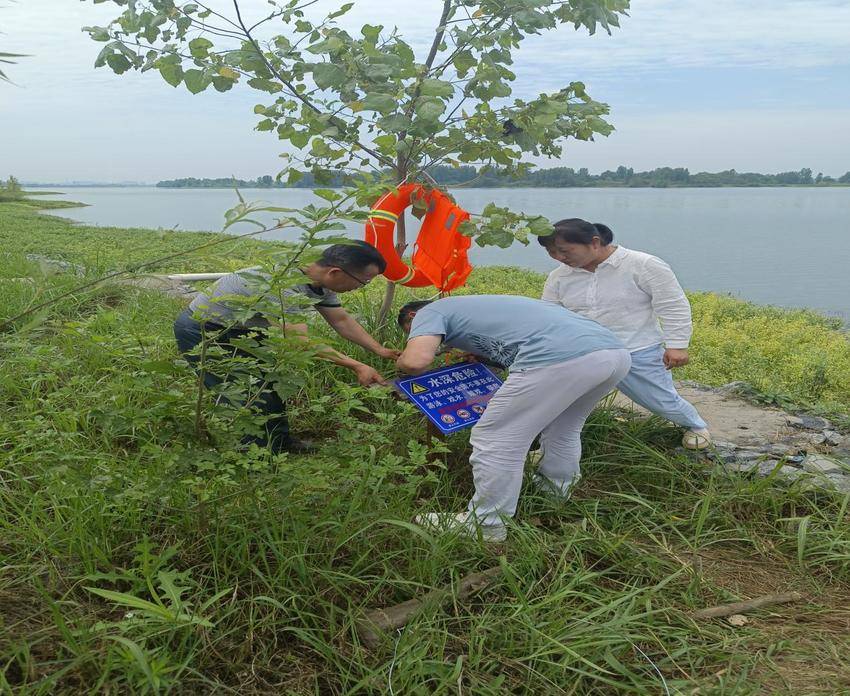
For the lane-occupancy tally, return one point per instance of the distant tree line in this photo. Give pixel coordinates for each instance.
(268, 181)
(556, 177)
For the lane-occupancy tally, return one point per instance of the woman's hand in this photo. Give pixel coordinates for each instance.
(675, 357)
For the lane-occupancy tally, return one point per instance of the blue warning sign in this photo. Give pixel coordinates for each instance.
(453, 397)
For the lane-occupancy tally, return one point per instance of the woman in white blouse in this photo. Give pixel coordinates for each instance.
(638, 298)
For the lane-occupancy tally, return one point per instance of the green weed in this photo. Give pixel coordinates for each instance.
(140, 556)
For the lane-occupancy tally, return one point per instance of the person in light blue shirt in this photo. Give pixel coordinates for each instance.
(560, 364)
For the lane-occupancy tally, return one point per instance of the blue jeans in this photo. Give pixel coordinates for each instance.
(189, 333)
(650, 385)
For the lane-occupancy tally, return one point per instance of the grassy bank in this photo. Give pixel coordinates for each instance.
(244, 574)
(788, 356)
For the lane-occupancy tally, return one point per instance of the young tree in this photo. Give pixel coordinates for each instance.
(11, 190)
(365, 102)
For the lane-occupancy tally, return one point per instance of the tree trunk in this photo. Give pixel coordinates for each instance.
(400, 247)
(386, 305)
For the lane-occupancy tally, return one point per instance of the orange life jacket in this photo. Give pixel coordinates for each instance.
(439, 255)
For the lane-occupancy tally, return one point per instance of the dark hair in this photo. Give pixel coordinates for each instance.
(408, 309)
(578, 231)
(357, 255)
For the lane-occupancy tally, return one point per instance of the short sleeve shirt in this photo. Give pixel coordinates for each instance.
(516, 332)
(216, 308)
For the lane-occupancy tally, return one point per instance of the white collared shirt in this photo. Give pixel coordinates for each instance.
(635, 295)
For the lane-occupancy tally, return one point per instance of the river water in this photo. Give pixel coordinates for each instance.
(783, 246)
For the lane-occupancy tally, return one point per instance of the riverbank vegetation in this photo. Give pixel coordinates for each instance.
(10, 190)
(139, 557)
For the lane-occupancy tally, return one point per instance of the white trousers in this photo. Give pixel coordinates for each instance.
(554, 400)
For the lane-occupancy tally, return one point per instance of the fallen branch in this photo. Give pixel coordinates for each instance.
(748, 605)
(378, 622)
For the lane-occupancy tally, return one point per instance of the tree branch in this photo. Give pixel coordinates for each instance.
(429, 61)
(438, 37)
(378, 156)
(748, 605)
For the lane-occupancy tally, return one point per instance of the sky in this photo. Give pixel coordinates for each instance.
(709, 85)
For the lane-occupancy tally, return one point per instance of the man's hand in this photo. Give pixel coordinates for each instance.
(388, 353)
(675, 357)
(367, 376)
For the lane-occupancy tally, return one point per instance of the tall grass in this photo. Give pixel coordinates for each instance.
(137, 558)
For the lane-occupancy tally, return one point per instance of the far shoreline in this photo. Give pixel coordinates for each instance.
(448, 186)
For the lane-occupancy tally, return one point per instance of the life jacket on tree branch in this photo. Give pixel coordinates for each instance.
(439, 255)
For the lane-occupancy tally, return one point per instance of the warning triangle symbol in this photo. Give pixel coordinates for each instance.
(418, 388)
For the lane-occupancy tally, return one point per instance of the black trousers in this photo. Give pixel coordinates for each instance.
(189, 333)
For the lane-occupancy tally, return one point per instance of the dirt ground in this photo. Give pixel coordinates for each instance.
(732, 419)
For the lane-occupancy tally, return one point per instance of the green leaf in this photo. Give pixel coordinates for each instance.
(222, 84)
(196, 80)
(463, 61)
(118, 63)
(382, 103)
(98, 33)
(543, 120)
(386, 143)
(319, 148)
(329, 45)
(394, 123)
(328, 75)
(299, 139)
(429, 109)
(265, 85)
(200, 47)
(105, 52)
(341, 11)
(379, 71)
(294, 177)
(540, 226)
(372, 31)
(172, 73)
(138, 655)
(327, 194)
(128, 600)
(436, 88)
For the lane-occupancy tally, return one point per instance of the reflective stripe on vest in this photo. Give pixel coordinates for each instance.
(383, 215)
(410, 273)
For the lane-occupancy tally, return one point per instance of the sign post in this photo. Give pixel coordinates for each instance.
(453, 398)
